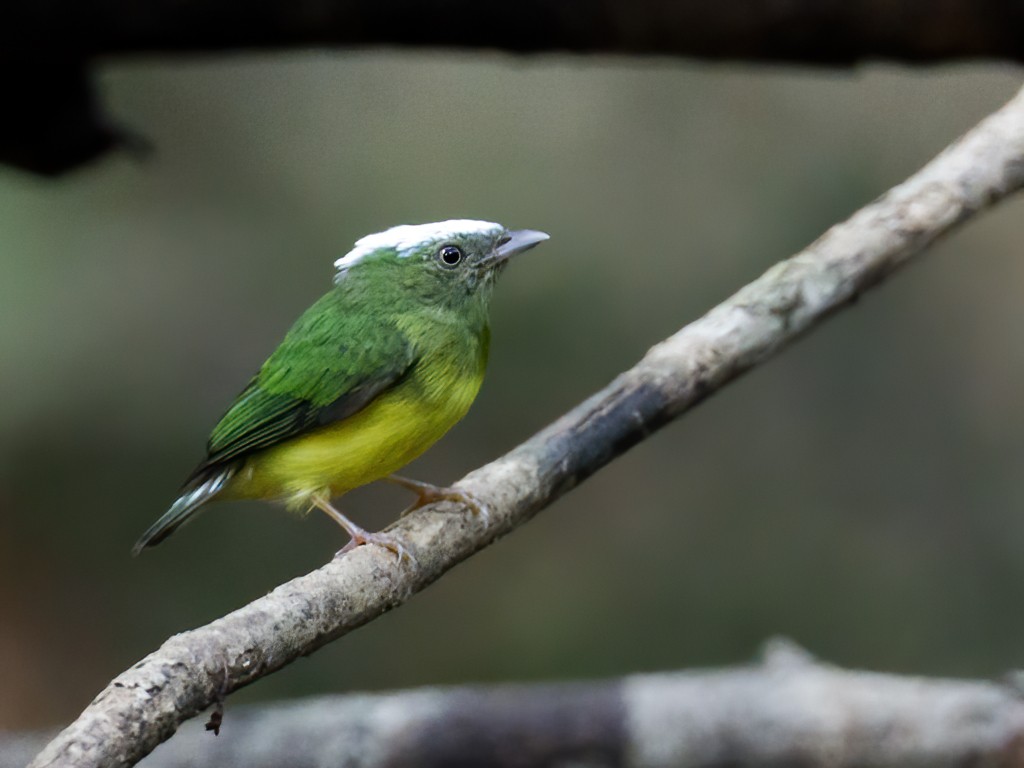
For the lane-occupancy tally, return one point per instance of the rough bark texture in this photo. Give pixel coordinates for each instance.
(144, 705)
(52, 123)
(788, 711)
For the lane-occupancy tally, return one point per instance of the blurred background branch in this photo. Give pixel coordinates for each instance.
(145, 704)
(53, 121)
(788, 710)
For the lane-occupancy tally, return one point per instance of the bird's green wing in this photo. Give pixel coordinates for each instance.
(329, 366)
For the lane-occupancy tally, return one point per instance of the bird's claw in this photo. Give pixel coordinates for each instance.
(358, 535)
(478, 508)
(381, 539)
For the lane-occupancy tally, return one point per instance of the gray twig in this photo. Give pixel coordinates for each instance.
(790, 710)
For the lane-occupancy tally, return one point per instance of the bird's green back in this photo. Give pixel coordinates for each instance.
(337, 357)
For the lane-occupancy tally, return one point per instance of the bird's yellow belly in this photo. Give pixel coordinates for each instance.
(373, 443)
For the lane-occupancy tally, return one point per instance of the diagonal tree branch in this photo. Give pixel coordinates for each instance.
(145, 704)
(788, 710)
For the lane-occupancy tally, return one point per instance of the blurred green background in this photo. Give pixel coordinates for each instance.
(862, 494)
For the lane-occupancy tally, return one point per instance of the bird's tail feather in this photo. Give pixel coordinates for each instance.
(193, 496)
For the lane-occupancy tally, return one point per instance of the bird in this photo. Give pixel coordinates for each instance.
(367, 379)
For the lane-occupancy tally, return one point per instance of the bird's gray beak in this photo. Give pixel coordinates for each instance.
(515, 242)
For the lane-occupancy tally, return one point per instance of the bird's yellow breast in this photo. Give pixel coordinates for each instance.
(377, 441)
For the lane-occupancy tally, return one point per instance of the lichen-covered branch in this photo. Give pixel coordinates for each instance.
(144, 705)
(789, 710)
(52, 122)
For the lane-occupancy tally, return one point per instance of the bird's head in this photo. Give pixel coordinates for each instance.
(446, 263)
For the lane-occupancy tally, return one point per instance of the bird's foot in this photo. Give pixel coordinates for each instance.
(359, 535)
(428, 494)
(381, 539)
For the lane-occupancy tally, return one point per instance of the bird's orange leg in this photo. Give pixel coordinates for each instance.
(428, 494)
(359, 535)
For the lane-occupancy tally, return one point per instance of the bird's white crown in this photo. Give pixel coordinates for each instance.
(406, 238)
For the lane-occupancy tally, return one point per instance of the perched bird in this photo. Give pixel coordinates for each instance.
(367, 379)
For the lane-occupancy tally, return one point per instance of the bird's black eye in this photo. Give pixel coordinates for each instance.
(450, 255)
